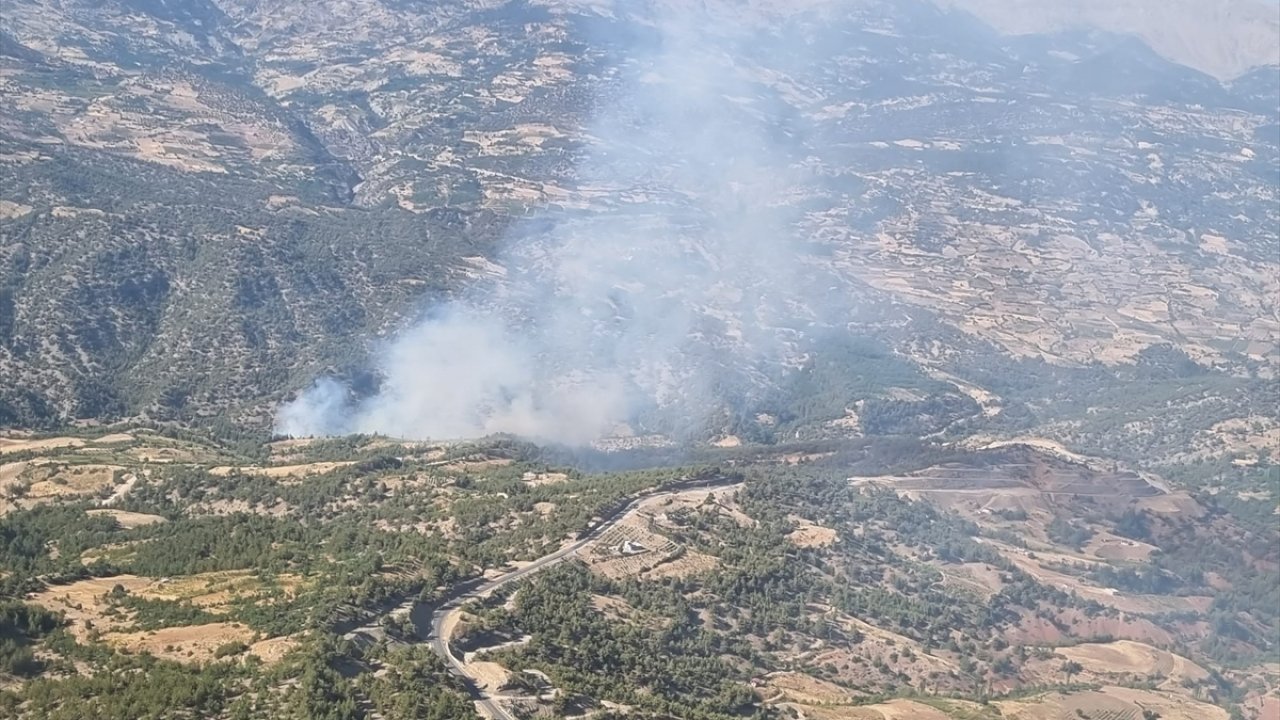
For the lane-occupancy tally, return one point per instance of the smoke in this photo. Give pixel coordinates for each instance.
(673, 298)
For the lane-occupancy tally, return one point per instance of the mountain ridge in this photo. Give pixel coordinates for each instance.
(286, 204)
(1225, 40)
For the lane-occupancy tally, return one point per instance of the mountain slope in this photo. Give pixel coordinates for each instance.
(209, 204)
(1224, 39)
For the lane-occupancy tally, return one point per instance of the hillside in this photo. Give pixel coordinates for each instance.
(1224, 39)
(730, 360)
(208, 206)
(325, 578)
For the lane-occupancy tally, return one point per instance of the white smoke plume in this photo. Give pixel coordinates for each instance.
(666, 302)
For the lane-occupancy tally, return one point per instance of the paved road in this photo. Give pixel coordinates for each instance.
(440, 645)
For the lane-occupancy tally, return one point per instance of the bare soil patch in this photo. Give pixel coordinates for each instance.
(978, 579)
(1110, 547)
(1032, 629)
(856, 666)
(113, 439)
(1125, 657)
(214, 591)
(193, 643)
(128, 520)
(450, 624)
(66, 480)
(533, 479)
(1051, 446)
(689, 562)
(84, 601)
(1125, 602)
(163, 454)
(891, 710)
(273, 650)
(1265, 707)
(805, 689)
(808, 534)
(1245, 436)
(10, 445)
(474, 465)
(9, 209)
(1175, 503)
(1118, 701)
(283, 449)
(708, 500)
(490, 675)
(632, 549)
(11, 473)
(283, 471)
(801, 458)
(612, 606)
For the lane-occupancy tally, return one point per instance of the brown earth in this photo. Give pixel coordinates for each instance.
(1117, 700)
(690, 562)
(193, 643)
(10, 473)
(490, 675)
(113, 438)
(1110, 547)
(474, 465)
(283, 471)
(855, 665)
(1266, 707)
(1033, 630)
(64, 480)
(1124, 602)
(808, 534)
(978, 579)
(84, 601)
(1124, 658)
(548, 478)
(612, 606)
(128, 520)
(10, 445)
(273, 650)
(719, 501)
(800, 688)
(891, 710)
(163, 454)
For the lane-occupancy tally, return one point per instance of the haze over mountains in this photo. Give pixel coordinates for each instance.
(258, 192)
(1224, 39)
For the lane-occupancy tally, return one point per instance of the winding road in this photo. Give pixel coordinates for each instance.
(439, 616)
